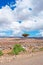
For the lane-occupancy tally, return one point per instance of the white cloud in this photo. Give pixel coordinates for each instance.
(40, 34)
(31, 25)
(9, 18)
(2, 34)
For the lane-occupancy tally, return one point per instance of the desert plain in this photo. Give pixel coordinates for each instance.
(32, 56)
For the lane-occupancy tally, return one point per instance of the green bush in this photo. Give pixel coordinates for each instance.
(17, 48)
(41, 49)
(1, 53)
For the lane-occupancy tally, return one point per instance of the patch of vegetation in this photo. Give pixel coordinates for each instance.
(35, 50)
(41, 49)
(11, 53)
(25, 35)
(17, 49)
(1, 53)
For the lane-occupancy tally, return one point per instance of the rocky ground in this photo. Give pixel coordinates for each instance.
(32, 56)
(26, 59)
(9, 42)
(6, 44)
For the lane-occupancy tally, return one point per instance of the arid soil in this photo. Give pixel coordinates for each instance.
(27, 41)
(7, 44)
(29, 59)
(32, 58)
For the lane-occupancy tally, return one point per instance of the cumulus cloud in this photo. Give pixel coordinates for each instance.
(40, 33)
(7, 20)
(31, 25)
(29, 12)
(38, 6)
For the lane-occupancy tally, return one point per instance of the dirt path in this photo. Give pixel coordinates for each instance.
(34, 59)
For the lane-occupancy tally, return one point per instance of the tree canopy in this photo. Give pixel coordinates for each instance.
(25, 35)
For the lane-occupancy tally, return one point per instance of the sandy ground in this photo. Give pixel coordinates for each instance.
(6, 42)
(22, 59)
(29, 59)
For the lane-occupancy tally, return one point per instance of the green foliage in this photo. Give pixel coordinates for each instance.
(25, 35)
(1, 53)
(41, 49)
(17, 48)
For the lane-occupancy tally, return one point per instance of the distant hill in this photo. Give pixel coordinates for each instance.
(21, 37)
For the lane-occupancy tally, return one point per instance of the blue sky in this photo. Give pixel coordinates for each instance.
(21, 16)
(6, 2)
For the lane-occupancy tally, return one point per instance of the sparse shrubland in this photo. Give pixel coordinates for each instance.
(41, 49)
(17, 49)
(1, 53)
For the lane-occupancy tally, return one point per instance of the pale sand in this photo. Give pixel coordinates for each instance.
(29, 59)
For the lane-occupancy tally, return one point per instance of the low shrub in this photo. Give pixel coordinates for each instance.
(1, 53)
(41, 49)
(16, 49)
